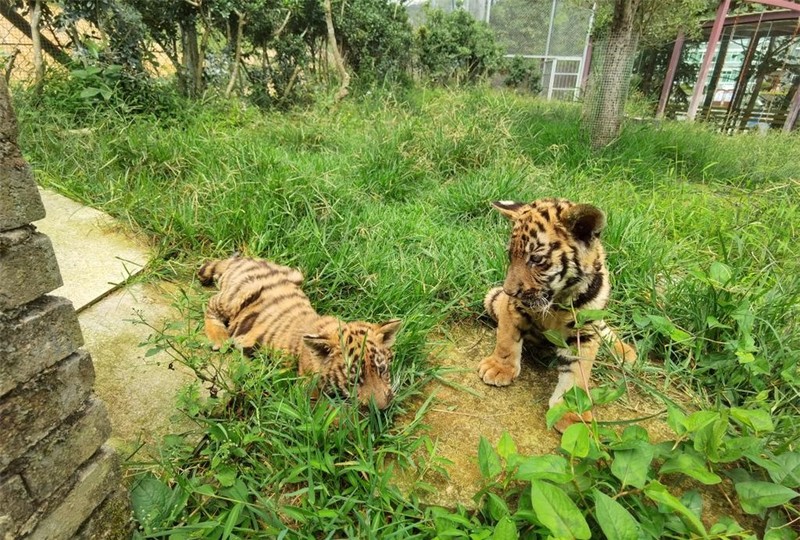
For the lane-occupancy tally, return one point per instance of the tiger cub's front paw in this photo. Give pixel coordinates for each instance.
(572, 418)
(495, 371)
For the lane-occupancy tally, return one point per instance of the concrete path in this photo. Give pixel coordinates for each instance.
(96, 257)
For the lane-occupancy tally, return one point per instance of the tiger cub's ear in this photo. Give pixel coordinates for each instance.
(584, 221)
(319, 345)
(388, 331)
(510, 209)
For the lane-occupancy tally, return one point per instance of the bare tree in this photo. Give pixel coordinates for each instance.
(337, 57)
(36, 39)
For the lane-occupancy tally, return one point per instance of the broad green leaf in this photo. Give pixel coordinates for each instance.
(777, 528)
(789, 472)
(577, 399)
(497, 507)
(676, 419)
(556, 511)
(555, 337)
(632, 465)
(226, 476)
(720, 272)
(699, 420)
(615, 521)
(603, 394)
(690, 465)
(756, 497)
(575, 440)
(658, 493)
(488, 460)
(589, 315)
(635, 433)
(677, 335)
(505, 530)
(204, 489)
(736, 448)
(152, 502)
(713, 322)
(708, 440)
(546, 467)
(506, 446)
(758, 420)
(89, 92)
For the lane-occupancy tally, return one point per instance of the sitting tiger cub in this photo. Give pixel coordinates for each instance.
(261, 304)
(557, 267)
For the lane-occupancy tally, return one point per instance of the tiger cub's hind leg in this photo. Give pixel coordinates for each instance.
(215, 323)
(574, 371)
(622, 350)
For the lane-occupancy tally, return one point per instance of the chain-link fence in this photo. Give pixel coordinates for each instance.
(16, 46)
(16, 53)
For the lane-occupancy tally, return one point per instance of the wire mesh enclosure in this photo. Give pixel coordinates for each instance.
(553, 32)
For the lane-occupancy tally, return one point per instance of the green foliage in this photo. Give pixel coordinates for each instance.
(384, 204)
(455, 48)
(377, 41)
(267, 457)
(523, 74)
(617, 486)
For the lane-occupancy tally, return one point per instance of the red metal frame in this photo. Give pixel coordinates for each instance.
(716, 30)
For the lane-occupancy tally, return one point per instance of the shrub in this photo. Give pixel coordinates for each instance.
(523, 74)
(455, 48)
(377, 41)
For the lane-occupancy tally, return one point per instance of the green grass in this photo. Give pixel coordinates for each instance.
(384, 205)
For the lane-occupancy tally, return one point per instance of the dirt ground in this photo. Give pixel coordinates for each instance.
(466, 409)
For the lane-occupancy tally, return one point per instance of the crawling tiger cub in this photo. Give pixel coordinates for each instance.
(260, 303)
(557, 267)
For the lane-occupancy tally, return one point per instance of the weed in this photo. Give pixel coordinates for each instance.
(384, 205)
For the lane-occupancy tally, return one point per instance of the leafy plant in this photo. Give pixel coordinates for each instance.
(523, 73)
(605, 484)
(455, 48)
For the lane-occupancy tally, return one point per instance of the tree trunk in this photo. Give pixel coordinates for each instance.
(337, 58)
(237, 57)
(607, 103)
(715, 75)
(191, 73)
(36, 40)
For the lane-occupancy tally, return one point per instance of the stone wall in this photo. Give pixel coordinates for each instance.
(58, 479)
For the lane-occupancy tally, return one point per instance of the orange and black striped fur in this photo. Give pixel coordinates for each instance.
(556, 268)
(260, 304)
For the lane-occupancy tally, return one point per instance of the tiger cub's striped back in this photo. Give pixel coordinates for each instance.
(260, 304)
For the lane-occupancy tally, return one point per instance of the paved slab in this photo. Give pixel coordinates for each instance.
(140, 393)
(93, 253)
(95, 257)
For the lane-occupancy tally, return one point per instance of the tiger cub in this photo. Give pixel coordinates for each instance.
(556, 267)
(260, 303)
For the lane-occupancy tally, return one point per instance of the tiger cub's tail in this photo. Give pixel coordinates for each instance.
(213, 269)
(490, 301)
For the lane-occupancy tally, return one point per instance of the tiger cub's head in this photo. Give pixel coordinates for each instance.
(357, 356)
(555, 255)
